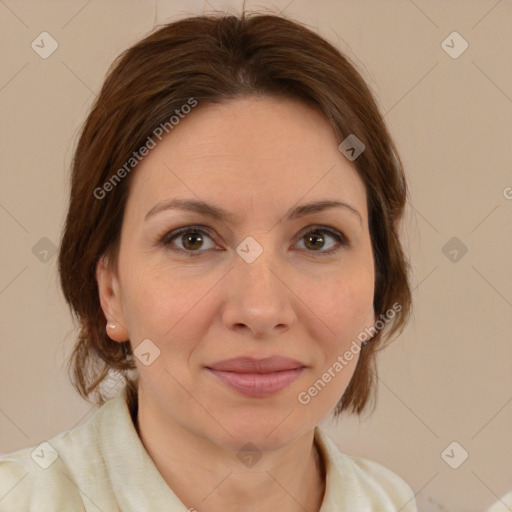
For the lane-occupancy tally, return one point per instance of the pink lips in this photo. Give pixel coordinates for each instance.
(257, 377)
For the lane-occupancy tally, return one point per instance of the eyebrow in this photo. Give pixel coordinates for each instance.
(218, 213)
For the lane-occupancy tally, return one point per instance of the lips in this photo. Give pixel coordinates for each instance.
(251, 365)
(257, 378)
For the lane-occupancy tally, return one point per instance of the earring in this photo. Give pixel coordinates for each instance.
(111, 326)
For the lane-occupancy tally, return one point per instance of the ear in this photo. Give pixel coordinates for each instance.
(110, 299)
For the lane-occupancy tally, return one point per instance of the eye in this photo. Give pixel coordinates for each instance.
(318, 235)
(192, 239)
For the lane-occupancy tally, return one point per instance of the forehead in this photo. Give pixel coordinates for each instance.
(258, 153)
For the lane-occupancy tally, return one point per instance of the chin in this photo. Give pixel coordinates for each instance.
(267, 429)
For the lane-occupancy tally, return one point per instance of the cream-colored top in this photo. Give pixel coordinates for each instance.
(102, 466)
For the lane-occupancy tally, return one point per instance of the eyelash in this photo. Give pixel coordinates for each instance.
(169, 237)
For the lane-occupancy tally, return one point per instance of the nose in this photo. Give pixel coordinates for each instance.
(259, 299)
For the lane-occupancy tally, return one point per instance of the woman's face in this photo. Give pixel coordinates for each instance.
(258, 283)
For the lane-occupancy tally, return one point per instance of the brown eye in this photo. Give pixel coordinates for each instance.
(192, 239)
(316, 239)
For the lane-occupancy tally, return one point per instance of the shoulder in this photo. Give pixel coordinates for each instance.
(363, 484)
(67, 472)
(36, 475)
(504, 504)
(381, 481)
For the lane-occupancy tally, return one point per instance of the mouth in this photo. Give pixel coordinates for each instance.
(257, 378)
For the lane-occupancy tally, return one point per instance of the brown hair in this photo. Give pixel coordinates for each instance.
(213, 59)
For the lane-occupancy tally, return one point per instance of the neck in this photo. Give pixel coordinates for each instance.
(291, 479)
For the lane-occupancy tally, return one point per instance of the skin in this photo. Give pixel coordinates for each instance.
(256, 157)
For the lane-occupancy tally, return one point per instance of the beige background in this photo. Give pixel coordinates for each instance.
(449, 376)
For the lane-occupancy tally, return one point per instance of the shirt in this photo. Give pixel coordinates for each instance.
(504, 504)
(103, 466)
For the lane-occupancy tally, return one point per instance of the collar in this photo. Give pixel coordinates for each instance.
(122, 449)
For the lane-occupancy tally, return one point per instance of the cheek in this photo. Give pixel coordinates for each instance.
(162, 306)
(344, 305)
(167, 303)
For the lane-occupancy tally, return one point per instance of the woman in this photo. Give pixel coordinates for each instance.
(231, 249)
